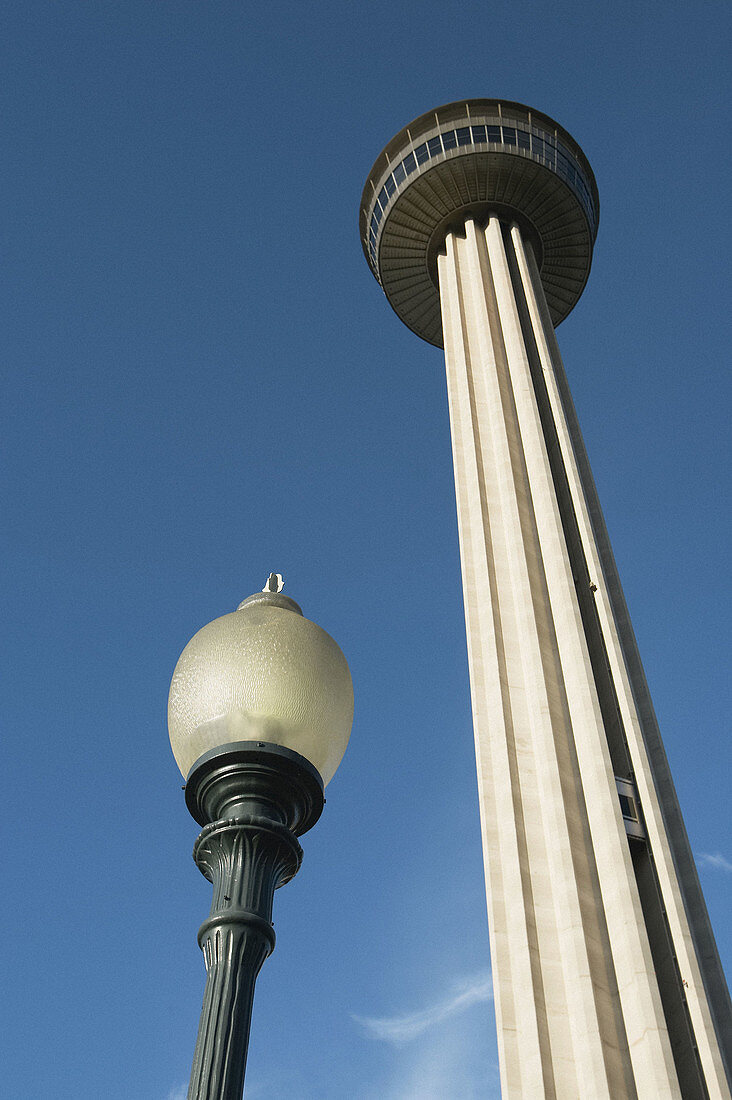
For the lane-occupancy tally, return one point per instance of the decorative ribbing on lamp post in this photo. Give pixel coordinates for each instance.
(479, 220)
(262, 672)
(255, 799)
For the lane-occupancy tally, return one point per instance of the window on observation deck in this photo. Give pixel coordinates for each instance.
(540, 143)
(565, 166)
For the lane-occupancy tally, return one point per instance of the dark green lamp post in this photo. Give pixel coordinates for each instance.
(260, 712)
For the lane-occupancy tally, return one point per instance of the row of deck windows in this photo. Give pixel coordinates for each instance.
(550, 151)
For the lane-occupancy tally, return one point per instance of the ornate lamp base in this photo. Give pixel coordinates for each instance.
(254, 799)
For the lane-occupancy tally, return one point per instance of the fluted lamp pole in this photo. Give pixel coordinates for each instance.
(260, 712)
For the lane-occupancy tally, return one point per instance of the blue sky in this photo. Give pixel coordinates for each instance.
(202, 383)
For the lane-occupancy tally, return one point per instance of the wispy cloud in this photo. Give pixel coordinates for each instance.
(179, 1092)
(444, 1066)
(718, 861)
(402, 1029)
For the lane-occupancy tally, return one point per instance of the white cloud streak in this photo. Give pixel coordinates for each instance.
(403, 1029)
(178, 1093)
(443, 1067)
(718, 861)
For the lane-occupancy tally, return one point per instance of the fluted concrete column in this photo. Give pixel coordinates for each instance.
(520, 1008)
(561, 888)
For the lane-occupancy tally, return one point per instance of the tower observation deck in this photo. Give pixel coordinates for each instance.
(478, 220)
(465, 160)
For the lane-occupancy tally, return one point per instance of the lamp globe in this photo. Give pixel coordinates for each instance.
(259, 715)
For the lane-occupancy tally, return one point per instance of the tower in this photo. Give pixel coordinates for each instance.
(478, 220)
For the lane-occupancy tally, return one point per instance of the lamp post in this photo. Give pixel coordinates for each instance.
(260, 712)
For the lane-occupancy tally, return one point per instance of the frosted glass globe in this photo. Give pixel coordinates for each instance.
(262, 673)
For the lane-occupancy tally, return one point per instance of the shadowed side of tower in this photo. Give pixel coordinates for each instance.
(478, 220)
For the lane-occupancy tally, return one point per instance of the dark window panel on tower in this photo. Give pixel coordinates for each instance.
(523, 139)
(399, 173)
(449, 140)
(494, 133)
(409, 163)
(509, 135)
(463, 135)
(479, 133)
(422, 153)
(390, 186)
(435, 146)
(628, 807)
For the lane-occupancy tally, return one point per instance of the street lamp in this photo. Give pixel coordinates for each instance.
(260, 712)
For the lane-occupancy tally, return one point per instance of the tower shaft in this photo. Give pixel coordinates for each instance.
(606, 976)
